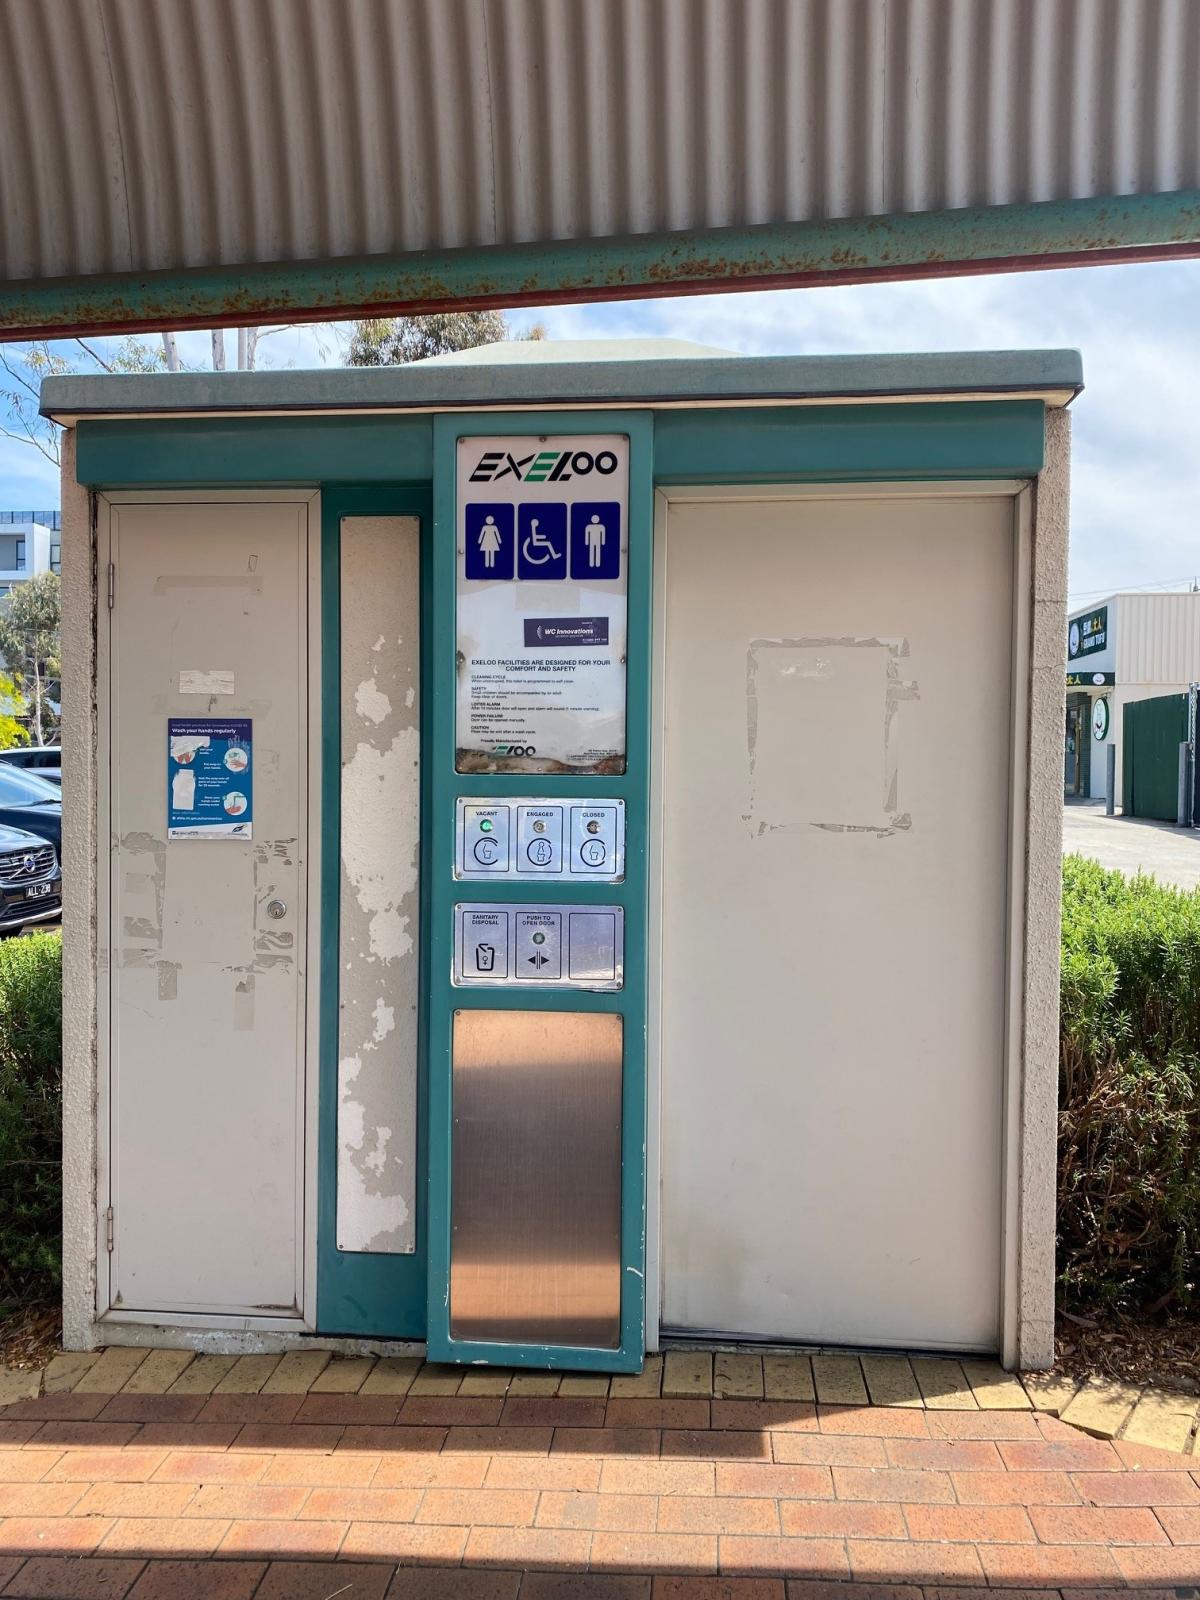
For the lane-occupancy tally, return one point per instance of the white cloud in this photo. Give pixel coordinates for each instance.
(1136, 483)
(1136, 427)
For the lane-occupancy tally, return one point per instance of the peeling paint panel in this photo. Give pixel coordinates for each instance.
(835, 799)
(207, 1041)
(806, 694)
(379, 908)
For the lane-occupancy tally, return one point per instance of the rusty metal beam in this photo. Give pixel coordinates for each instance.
(845, 250)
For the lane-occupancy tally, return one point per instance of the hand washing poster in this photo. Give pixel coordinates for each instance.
(543, 555)
(210, 778)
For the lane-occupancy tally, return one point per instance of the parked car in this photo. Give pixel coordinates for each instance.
(45, 760)
(28, 801)
(30, 880)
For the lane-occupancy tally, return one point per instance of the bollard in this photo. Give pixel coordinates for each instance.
(1110, 779)
(1184, 794)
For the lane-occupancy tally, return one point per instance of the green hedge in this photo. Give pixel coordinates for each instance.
(1129, 1092)
(1129, 1117)
(30, 1115)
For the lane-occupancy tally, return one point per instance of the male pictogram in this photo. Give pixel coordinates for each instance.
(596, 537)
(595, 534)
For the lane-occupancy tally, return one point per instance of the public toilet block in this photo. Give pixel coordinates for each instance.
(562, 852)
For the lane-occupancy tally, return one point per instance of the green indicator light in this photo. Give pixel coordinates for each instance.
(486, 825)
(539, 938)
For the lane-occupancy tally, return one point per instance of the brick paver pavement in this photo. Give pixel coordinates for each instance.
(248, 1492)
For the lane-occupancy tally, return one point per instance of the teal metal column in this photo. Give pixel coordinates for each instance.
(633, 788)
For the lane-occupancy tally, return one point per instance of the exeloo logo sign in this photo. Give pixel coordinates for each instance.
(542, 466)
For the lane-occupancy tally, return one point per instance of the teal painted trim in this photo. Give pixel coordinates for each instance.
(378, 1296)
(995, 438)
(550, 383)
(842, 249)
(187, 452)
(633, 786)
(990, 439)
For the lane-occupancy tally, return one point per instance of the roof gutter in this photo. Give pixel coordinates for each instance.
(1015, 238)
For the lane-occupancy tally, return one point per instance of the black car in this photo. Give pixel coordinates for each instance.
(30, 880)
(45, 760)
(29, 802)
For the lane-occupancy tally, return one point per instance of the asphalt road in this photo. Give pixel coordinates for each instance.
(1131, 844)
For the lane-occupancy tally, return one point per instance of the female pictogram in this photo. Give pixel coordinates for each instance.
(489, 542)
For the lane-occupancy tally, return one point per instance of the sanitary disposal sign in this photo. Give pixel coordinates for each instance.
(543, 556)
(210, 778)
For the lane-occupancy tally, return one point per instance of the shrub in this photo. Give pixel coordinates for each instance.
(1129, 1092)
(1129, 1099)
(30, 1115)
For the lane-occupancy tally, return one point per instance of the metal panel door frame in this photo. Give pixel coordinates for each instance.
(633, 787)
(1021, 495)
(106, 502)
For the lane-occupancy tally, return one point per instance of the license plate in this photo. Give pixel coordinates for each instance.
(38, 891)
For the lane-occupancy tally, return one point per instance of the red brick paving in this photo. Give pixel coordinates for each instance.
(436, 1497)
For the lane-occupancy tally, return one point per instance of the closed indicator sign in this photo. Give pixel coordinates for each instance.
(543, 552)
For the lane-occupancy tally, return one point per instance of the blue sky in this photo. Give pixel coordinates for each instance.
(1136, 491)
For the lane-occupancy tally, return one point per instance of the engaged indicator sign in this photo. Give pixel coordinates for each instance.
(210, 778)
(543, 551)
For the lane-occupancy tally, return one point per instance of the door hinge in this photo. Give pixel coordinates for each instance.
(108, 1228)
(112, 584)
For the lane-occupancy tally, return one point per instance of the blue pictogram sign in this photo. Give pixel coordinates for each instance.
(489, 541)
(595, 539)
(542, 540)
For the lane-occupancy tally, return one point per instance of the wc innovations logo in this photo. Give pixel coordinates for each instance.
(543, 466)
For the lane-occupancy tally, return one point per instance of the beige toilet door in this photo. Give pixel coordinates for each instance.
(835, 801)
(207, 1037)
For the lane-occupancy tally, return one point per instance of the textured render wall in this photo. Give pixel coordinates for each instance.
(1043, 901)
(82, 958)
(380, 910)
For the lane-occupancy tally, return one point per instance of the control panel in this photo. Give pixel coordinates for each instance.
(555, 946)
(533, 838)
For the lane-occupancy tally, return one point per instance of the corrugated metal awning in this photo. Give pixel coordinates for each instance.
(185, 161)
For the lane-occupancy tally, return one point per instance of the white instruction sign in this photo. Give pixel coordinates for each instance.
(543, 557)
